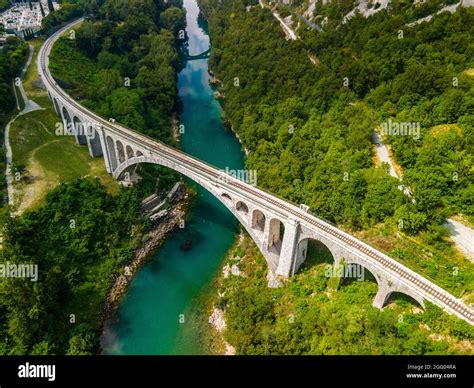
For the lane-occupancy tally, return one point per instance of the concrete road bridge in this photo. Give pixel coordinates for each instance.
(280, 229)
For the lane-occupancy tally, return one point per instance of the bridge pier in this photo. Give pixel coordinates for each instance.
(287, 263)
(386, 288)
(382, 295)
(105, 154)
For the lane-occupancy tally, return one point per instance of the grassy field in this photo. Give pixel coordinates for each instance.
(48, 159)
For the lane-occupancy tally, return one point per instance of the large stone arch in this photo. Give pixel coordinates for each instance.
(239, 211)
(305, 236)
(315, 249)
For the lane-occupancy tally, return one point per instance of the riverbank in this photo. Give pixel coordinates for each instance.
(215, 301)
(152, 241)
(165, 310)
(216, 86)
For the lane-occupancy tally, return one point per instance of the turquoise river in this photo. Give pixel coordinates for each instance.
(156, 315)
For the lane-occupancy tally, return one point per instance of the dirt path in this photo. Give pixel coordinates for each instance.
(29, 107)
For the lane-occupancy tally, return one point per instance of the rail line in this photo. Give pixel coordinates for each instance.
(423, 286)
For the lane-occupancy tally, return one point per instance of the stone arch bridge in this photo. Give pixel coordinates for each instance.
(280, 229)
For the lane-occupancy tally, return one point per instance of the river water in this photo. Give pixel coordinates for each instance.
(158, 313)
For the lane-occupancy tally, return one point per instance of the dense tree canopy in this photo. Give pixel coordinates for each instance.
(78, 239)
(12, 58)
(309, 126)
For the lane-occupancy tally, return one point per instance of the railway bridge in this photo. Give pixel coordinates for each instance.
(280, 229)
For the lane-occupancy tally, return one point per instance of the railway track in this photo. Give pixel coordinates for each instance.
(423, 286)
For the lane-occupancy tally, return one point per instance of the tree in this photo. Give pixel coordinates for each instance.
(83, 342)
(173, 19)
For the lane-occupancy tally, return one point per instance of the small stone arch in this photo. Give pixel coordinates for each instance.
(356, 271)
(226, 197)
(112, 153)
(258, 220)
(129, 152)
(93, 138)
(80, 131)
(315, 251)
(275, 235)
(120, 151)
(67, 120)
(242, 208)
(139, 153)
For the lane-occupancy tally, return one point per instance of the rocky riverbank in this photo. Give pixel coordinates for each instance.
(154, 238)
(231, 268)
(217, 320)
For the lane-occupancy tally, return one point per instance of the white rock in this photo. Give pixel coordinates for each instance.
(229, 349)
(217, 319)
(226, 271)
(273, 281)
(234, 270)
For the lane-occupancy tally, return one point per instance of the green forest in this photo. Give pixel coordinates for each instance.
(122, 63)
(307, 131)
(79, 239)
